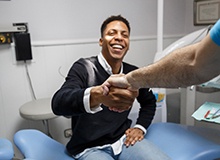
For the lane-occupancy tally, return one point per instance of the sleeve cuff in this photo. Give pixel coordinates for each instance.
(86, 102)
(141, 127)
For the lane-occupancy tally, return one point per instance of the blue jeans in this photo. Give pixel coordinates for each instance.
(143, 150)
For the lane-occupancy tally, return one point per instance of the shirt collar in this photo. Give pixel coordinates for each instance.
(105, 64)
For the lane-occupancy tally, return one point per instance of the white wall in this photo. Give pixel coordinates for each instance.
(189, 25)
(66, 19)
(63, 31)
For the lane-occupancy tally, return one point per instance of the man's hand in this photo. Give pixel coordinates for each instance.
(119, 81)
(118, 99)
(133, 135)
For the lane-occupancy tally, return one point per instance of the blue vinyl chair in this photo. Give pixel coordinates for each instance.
(182, 143)
(176, 140)
(6, 149)
(35, 145)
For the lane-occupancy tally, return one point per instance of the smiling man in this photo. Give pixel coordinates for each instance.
(100, 132)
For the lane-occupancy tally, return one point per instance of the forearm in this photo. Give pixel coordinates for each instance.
(190, 65)
(170, 72)
(68, 102)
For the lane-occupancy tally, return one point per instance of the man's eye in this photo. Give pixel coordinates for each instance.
(111, 33)
(125, 35)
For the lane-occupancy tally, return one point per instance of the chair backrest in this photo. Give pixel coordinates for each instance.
(6, 149)
(36, 145)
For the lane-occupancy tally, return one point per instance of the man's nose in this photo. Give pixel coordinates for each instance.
(118, 36)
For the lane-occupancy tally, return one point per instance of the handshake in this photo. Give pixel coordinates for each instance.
(121, 91)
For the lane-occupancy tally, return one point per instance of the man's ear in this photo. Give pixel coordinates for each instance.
(100, 41)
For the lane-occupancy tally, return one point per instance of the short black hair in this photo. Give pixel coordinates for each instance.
(114, 18)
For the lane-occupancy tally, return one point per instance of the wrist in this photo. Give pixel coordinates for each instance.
(132, 81)
(140, 127)
(96, 94)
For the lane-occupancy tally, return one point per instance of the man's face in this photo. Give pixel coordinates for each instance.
(115, 41)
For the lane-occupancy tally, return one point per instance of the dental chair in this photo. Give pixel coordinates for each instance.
(6, 149)
(182, 142)
(35, 145)
(177, 141)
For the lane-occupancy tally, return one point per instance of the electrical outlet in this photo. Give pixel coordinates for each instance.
(68, 133)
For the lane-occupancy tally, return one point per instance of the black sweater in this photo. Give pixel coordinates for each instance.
(104, 127)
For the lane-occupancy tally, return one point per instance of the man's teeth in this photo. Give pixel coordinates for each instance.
(117, 46)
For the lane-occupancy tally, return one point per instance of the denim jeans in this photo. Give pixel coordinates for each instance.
(143, 150)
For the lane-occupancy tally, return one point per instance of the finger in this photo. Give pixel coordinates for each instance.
(127, 131)
(119, 106)
(127, 143)
(141, 138)
(116, 109)
(132, 136)
(134, 141)
(131, 141)
(123, 94)
(128, 140)
(105, 90)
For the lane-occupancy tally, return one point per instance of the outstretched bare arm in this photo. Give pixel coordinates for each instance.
(190, 65)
